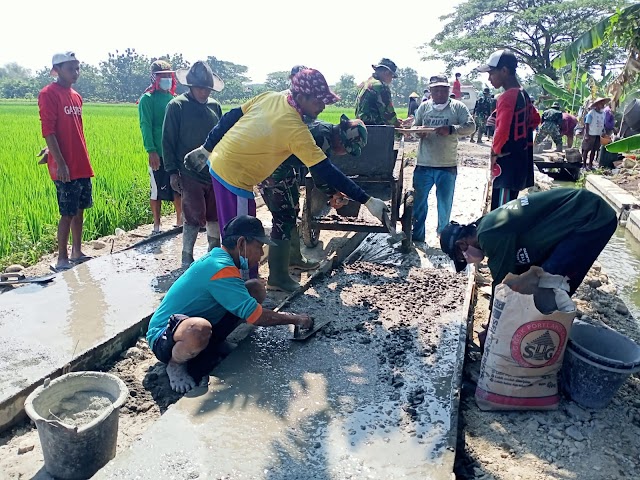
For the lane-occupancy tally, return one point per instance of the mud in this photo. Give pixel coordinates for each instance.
(81, 408)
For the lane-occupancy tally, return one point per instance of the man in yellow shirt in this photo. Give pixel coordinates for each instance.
(251, 141)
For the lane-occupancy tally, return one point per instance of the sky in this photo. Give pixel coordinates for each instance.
(333, 36)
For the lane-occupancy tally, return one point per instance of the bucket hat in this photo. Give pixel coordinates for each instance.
(388, 64)
(200, 75)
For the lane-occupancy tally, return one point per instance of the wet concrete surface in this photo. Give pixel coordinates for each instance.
(369, 397)
(373, 395)
(44, 327)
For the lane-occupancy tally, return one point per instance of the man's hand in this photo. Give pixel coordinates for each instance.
(304, 321)
(442, 131)
(154, 161)
(44, 153)
(377, 208)
(175, 182)
(63, 172)
(338, 200)
(407, 123)
(196, 160)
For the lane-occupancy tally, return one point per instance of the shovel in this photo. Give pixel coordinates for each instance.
(394, 236)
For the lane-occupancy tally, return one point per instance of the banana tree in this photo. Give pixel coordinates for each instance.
(620, 28)
(577, 91)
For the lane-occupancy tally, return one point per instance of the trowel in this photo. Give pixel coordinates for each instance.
(394, 236)
(300, 334)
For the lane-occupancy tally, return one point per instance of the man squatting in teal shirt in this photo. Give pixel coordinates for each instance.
(208, 302)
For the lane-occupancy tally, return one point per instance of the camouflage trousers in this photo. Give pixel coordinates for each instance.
(481, 126)
(548, 129)
(281, 195)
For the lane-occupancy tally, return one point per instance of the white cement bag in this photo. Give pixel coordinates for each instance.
(524, 346)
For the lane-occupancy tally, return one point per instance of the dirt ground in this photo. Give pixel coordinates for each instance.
(570, 443)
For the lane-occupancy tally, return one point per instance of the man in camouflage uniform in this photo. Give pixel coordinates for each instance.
(281, 192)
(374, 105)
(551, 124)
(481, 112)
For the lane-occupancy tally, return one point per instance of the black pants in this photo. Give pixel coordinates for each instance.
(575, 254)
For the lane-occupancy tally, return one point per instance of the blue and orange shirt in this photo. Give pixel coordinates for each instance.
(211, 287)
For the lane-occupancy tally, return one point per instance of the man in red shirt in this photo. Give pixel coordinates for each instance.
(516, 118)
(68, 160)
(457, 87)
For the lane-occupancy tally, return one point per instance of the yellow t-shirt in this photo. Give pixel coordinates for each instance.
(269, 131)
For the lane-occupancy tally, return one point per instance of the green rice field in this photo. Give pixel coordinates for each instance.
(28, 207)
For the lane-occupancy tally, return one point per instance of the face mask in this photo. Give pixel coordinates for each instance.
(244, 264)
(473, 254)
(165, 84)
(440, 106)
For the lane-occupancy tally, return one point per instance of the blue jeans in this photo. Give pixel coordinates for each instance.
(424, 178)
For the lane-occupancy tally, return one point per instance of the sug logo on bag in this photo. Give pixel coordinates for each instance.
(538, 343)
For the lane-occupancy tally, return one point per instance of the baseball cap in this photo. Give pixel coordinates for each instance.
(448, 238)
(59, 58)
(247, 226)
(439, 81)
(499, 59)
(311, 82)
(161, 66)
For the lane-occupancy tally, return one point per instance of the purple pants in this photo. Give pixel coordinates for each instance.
(229, 205)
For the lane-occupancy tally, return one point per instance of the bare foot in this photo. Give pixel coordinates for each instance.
(63, 264)
(179, 379)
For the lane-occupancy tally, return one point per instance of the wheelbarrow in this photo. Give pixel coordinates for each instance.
(379, 170)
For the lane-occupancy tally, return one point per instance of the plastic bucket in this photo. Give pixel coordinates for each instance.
(598, 360)
(77, 452)
(632, 115)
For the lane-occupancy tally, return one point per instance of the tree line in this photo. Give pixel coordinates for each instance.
(123, 76)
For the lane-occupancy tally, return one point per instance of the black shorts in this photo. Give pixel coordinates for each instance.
(160, 184)
(204, 362)
(73, 196)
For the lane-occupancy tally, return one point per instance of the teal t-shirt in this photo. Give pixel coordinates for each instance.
(211, 287)
(525, 231)
(151, 109)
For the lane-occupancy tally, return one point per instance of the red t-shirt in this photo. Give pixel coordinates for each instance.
(457, 89)
(61, 114)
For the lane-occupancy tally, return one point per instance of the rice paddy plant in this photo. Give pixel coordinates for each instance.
(28, 206)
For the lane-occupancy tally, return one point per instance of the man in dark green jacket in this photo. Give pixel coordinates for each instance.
(188, 120)
(562, 230)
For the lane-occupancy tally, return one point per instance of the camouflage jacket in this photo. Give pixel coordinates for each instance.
(374, 105)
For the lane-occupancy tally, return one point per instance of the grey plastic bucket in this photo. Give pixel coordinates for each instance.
(72, 452)
(598, 360)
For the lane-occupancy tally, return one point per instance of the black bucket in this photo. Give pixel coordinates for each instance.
(598, 360)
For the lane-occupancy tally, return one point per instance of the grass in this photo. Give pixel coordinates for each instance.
(28, 206)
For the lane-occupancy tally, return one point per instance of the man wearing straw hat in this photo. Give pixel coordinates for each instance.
(189, 118)
(593, 128)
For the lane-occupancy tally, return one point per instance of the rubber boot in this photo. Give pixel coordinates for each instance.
(213, 235)
(558, 148)
(296, 259)
(279, 277)
(189, 236)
